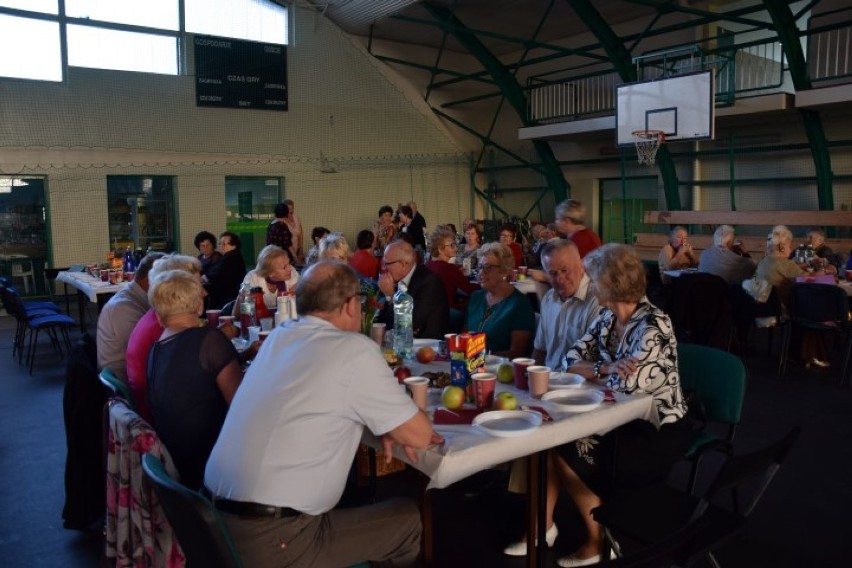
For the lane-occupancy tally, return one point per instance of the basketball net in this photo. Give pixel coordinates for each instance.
(647, 143)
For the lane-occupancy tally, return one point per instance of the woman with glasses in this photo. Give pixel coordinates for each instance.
(507, 237)
(503, 313)
(443, 247)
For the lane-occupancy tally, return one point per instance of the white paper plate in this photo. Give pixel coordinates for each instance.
(574, 400)
(508, 423)
(566, 381)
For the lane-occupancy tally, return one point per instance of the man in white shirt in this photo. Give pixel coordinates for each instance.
(282, 458)
(567, 308)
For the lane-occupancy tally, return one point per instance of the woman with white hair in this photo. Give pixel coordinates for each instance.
(193, 373)
(274, 273)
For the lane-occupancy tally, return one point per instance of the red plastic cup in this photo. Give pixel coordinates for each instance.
(520, 365)
(213, 317)
(483, 389)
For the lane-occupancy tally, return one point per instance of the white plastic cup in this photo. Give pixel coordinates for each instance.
(419, 387)
(539, 380)
(253, 333)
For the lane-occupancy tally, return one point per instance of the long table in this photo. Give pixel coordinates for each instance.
(467, 449)
(89, 289)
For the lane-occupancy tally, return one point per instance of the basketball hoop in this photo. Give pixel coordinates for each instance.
(647, 143)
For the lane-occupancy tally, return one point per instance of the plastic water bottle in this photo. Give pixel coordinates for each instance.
(403, 309)
(247, 310)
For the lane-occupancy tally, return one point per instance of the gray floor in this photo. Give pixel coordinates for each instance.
(802, 520)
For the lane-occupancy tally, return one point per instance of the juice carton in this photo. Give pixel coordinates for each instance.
(467, 356)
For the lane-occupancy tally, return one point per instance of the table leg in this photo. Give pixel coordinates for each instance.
(82, 300)
(534, 486)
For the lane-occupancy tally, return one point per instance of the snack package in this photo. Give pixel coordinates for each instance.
(467, 356)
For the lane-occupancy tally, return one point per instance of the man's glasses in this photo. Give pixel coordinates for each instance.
(487, 267)
(389, 263)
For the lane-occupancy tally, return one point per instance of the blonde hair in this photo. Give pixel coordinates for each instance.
(616, 272)
(779, 236)
(334, 246)
(572, 210)
(501, 252)
(175, 292)
(265, 257)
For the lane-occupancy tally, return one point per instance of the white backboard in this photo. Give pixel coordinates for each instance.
(682, 106)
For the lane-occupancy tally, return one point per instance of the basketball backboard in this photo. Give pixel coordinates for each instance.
(683, 107)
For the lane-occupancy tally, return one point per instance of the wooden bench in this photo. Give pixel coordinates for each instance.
(649, 244)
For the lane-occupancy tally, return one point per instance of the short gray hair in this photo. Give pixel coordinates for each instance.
(723, 236)
(617, 273)
(334, 246)
(572, 210)
(175, 262)
(501, 252)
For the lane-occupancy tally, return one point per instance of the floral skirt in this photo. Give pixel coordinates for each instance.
(632, 455)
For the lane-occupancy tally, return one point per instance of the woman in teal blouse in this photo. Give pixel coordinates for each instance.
(502, 312)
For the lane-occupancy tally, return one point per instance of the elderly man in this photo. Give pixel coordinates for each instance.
(119, 317)
(431, 316)
(567, 308)
(282, 458)
(726, 258)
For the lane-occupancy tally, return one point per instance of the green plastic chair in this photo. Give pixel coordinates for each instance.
(200, 531)
(116, 386)
(714, 383)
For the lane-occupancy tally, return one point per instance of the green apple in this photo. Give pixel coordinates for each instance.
(452, 397)
(506, 401)
(505, 373)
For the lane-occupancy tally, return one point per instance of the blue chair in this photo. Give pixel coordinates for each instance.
(116, 387)
(33, 321)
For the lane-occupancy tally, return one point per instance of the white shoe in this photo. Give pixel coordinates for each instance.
(572, 560)
(520, 548)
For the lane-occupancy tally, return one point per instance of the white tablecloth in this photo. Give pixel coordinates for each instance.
(468, 449)
(90, 286)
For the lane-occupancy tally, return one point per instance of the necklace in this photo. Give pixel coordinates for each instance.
(490, 310)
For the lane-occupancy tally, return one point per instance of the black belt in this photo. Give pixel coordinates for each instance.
(248, 509)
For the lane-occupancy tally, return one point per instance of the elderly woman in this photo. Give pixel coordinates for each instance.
(571, 221)
(205, 242)
(507, 237)
(317, 234)
(676, 254)
(442, 243)
(297, 252)
(274, 273)
(472, 242)
(193, 373)
(384, 229)
(364, 261)
(502, 312)
(629, 348)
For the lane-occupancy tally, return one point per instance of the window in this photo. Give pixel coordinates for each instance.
(101, 48)
(141, 212)
(249, 208)
(23, 232)
(35, 44)
(257, 20)
(128, 35)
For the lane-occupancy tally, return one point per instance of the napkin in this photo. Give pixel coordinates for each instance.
(545, 415)
(458, 416)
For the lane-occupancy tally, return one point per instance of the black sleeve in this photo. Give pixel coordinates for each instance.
(432, 318)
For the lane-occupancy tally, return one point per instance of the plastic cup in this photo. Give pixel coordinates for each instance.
(520, 365)
(539, 380)
(849, 275)
(483, 389)
(377, 333)
(105, 275)
(419, 387)
(226, 319)
(128, 276)
(213, 317)
(264, 333)
(253, 333)
(266, 324)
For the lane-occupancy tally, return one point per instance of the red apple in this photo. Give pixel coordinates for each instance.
(425, 354)
(401, 373)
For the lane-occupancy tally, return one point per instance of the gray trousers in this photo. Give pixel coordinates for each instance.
(384, 534)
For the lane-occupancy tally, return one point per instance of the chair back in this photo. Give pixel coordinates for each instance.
(762, 464)
(116, 387)
(716, 381)
(819, 305)
(700, 309)
(202, 534)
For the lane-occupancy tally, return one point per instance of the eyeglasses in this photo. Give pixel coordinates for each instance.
(487, 267)
(389, 263)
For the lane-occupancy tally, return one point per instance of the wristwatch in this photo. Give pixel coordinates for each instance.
(596, 369)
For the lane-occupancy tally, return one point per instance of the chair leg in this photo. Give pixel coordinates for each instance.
(785, 348)
(32, 350)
